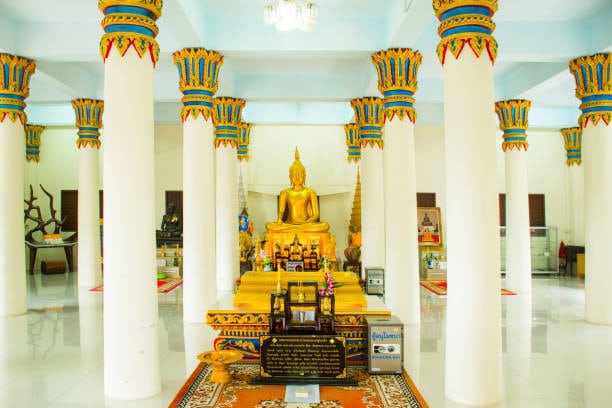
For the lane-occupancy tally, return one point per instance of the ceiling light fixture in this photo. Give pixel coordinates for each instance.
(288, 15)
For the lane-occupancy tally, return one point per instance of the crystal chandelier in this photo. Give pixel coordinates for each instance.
(288, 15)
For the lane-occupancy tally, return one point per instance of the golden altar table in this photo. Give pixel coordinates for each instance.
(242, 318)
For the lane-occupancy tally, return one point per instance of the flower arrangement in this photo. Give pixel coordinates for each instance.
(328, 285)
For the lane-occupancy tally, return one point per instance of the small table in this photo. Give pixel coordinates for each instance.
(35, 246)
(220, 361)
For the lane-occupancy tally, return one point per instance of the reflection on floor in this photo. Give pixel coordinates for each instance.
(52, 357)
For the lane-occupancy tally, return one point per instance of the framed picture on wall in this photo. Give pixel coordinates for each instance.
(429, 226)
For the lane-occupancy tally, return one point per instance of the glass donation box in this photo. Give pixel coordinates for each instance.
(385, 344)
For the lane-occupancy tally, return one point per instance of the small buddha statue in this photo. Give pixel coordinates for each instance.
(353, 251)
(296, 251)
(300, 202)
(171, 225)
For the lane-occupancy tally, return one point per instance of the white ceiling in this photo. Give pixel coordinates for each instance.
(297, 77)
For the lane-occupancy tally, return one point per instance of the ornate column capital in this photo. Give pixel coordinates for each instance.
(89, 121)
(513, 121)
(130, 23)
(593, 87)
(573, 145)
(227, 115)
(370, 118)
(32, 135)
(466, 22)
(15, 74)
(352, 142)
(198, 72)
(244, 138)
(397, 80)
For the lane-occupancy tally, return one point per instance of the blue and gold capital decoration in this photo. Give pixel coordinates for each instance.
(593, 87)
(369, 117)
(198, 70)
(352, 142)
(513, 121)
(573, 145)
(397, 80)
(88, 114)
(227, 116)
(130, 23)
(466, 22)
(15, 77)
(32, 135)
(244, 138)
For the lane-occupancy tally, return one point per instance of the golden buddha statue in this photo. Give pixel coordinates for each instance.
(299, 202)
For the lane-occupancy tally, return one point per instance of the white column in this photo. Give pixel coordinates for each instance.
(33, 141)
(12, 248)
(130, 288)
(473, 369)
(576, 180)
(593, 87)
(131, 342)
(198, 338)
(402, 248)
(573, 147)
(518, 247)
(369, 118)
(372, 208)
(17, 72)
(91, 333)
(228, 116)
(513, 121)
(397, 70)
(597, 145)
(228, 251)
(89, 268)
(199, 228)
(473, 352)
(198, 70)
(89, 120)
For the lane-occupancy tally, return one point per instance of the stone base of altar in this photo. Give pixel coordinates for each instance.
(255, 288)
(240, 327)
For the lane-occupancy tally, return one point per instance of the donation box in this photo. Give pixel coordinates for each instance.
(385, 344)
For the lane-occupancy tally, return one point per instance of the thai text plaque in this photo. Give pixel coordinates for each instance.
(288, 356)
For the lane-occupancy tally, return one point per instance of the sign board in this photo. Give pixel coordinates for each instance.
(290, 356)
(375, 281)
(295, 266)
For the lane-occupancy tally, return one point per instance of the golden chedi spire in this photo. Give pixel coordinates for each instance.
(355, 222)
(353, 252)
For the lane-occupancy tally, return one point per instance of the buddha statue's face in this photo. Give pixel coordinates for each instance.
(297, 177)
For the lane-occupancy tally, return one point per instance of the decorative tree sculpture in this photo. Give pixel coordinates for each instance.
(33, 213)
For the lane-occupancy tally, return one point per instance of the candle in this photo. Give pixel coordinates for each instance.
(278, 279)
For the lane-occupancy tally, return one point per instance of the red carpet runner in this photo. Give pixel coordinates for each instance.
(380, 390)
(439, 288)
(163, 285)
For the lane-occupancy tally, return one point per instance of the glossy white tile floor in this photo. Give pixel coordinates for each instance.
(52, 357)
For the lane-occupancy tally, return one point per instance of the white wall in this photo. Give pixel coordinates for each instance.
(548, 176)
(323, 153)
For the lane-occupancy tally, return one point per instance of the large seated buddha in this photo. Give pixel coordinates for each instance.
(298, 216)
(298, 207)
